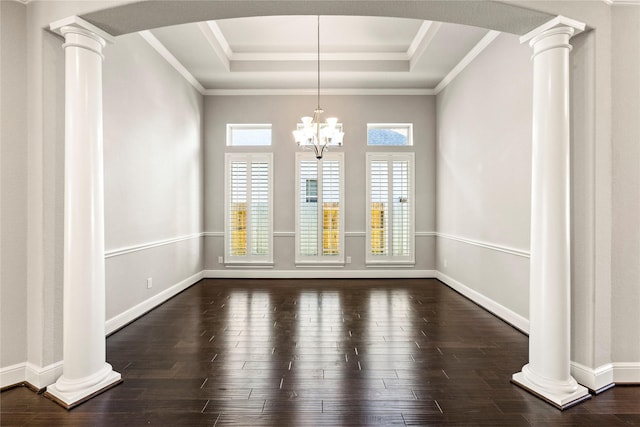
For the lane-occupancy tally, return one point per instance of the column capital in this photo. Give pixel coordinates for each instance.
(559, 24)
(65, 25)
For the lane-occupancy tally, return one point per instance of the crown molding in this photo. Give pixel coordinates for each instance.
(313, 56)
(172, 60)
(222, 49)
(468, 58)
(218, 42)
(421, 42)
(311, 91)
(227, 56)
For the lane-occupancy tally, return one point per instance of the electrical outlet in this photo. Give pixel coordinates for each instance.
(445, 262)
(220, 260)
(348, 260)
(149, 283)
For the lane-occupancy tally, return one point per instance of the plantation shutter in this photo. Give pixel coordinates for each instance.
(308, 213)
(379, 206)
(248, 236)
(401, 208)
(238, 210)
(390, 208)
(330, 207)
(260, 208)
(320, 233)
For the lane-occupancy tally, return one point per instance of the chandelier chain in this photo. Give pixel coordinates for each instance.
(318, 62)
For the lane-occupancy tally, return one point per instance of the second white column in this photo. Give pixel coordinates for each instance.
(85, 371)
(548, 372)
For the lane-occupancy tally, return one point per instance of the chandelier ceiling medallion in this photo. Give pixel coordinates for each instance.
(311, 133)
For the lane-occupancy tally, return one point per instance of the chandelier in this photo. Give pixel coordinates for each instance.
(314, 134)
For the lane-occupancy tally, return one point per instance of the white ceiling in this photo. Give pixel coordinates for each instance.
(280, 52)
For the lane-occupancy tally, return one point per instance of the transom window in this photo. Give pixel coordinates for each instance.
(394, 134)
(319, 208)
(390, 208)
(248, 135)
(248, 207)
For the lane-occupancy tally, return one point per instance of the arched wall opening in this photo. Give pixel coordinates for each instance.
(145, 15)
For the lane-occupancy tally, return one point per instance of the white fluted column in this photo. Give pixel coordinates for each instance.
(548, 372)
(85, 371)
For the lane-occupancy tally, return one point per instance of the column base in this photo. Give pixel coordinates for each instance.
(71, 393)
(561, 399)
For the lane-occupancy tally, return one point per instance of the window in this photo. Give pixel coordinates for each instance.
(390, 208)
(248, 135)
(396, 134)
(248, 207)
(319, 209)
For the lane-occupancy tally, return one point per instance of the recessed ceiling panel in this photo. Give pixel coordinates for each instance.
(337, 33)
(279, 52)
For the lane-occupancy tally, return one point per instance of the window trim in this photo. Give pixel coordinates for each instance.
(317, 260)
(409, 126)
(390, 259)
(232, 126)
(237, 260)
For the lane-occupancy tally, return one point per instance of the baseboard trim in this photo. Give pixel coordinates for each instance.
(596, 380)
(40, 378)
(128, 316)
(626, 372)
(319, 274)
(517, 321)
(12, 376)
(30, 375)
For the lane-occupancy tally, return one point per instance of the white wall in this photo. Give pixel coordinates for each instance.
(354, 112)
(13, 169)
(484, 176)
(153, 176)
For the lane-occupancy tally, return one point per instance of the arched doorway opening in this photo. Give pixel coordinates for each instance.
(87, 373)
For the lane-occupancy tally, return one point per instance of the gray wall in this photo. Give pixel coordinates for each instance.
(484, 174)
(605, 208)
(153, 174)
(354, 112)
(13, 169)
(626, 186)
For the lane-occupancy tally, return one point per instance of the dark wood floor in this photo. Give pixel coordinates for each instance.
(318, 352)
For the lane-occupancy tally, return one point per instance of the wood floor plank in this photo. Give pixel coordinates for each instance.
(318, 352)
